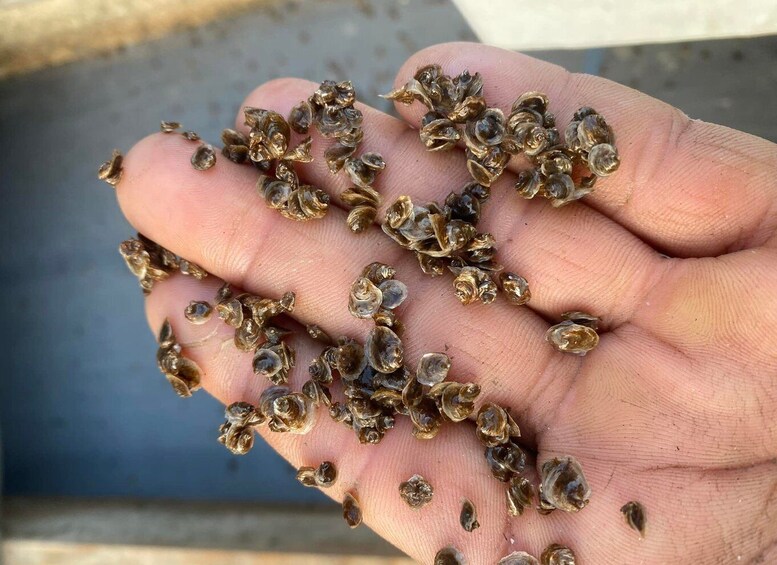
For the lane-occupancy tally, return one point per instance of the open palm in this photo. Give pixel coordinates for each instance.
(676, 252)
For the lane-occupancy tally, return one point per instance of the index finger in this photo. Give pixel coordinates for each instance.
(687, 187)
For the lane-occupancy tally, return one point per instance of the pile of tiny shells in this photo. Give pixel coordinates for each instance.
(378, 385)
(331, 109)
(444, 235)
(151, 263)
(182, 373)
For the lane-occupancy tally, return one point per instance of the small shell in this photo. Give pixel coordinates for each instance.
(533, 100)
(267, 363)
(518, 558)
(556, 554)
(449, 556)
(190, 135)
(394, 293)
(635, 516)
(581, 318)
(384, 350)
(519, 495)
(248, 335)
(317, 393)
(365, 298)
(570, 337)
(320, 371)
(300, 117)
(469, 516)
(603, 160)
(378, 272)
(294, 413)
(307, 476)
(439, 135)
(204, 157)
(198, 312)
(494, 425)
(361, 217)
(268, 397)
(412, 393)
(326, 474)
(336, 156)
(433, 368)
(593, 130)
(166, 336)
(426, 419)
(457, 401)
(515, 288)
(350, 360)
(505, 460)
(563, 484)
(416, 492)
(352, 512)
(168, 127)
(111, 170)
(360, 173)
(233, 137)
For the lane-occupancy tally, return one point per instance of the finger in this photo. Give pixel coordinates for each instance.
(574, 258)
(373, 472)
(216, 219)
(688, 187)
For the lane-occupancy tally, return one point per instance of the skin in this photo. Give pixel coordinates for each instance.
(677, 252)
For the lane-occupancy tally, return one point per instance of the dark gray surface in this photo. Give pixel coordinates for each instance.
(82, 406)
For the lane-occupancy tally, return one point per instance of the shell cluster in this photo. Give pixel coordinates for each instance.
(323, 476)
(181, 372)
(151, 263)
(331, 109)
(444, 235)
(237, 434)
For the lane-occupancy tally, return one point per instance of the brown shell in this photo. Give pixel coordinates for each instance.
(449, 556)
(518, 558)
(416, 492)
(432, 368)
(198, 312)
(168, 127)
(519, 495)
(569, 337)
(635, 516)
(204, 157)
(468, 518)
(556, 554)
(515, 288)
(384, 350)
(563, 484)
(352, 512)
(111, 170)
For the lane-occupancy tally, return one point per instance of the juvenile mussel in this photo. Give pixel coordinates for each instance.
(576, 333)
(237, 433)
(323, 476)
(557, 554)
(182, 373)
(416, 492)
(252, 317)
(151, 263)
(287, 411)
(563, 485)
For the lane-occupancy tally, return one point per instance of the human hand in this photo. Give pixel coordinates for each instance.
(675, 408)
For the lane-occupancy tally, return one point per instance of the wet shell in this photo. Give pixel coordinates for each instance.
(563, 484)
(320, 371)
(556, 554)
(603, 160)
(111, 170)
(426, 419)
(433, 368)
(457, 401)
(449, 556)
(581, 318)
(307, 476)
(326, 474)
(468, 517)
(515, 288)
(570, 337)
(384, 350)
(204, 157)
(294, 413)
(394, 293)
(518, 558)
(635, 516)
(350, 360)
(352, 512)
(519, 495)
(416, 492)
(198, 312)
(168, 127)
(379, 272)
(317, 393)
(268, 397)
(300, 117)
(248, 335)
(494, 425)
(267, 363)
(231, 311)
(505, 460)
(365, 298)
